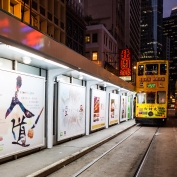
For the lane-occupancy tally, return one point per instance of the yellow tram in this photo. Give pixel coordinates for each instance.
(152, 92)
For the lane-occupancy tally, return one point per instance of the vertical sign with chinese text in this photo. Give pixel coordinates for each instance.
(125, 69)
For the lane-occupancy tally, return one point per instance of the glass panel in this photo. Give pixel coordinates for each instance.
(161, 97)
(6, 64)
(151, 69)
(140, 70)
(44, 73)
(163, 69)
(141, 98)
(28, 69)
(150, 97)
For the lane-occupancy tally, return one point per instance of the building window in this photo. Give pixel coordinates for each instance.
(87, 55)
(94, 37)
(11, 8)
(87, 38)
(94, 56)
(34, 5)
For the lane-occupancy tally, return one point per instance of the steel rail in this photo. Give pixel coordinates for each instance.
(98, 158)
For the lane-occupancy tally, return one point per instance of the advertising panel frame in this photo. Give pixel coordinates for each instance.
(114, 105)
(70, 114)
(123, 108)
(25, 97)
(98, 116)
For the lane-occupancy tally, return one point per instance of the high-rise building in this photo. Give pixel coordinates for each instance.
(75, 25)
(170, 31)
(166, 48)
(132, 30)
(151, 29)
(109, 13)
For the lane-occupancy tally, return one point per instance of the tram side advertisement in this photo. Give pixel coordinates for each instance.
(71, 111)
(113, 109)
(22, 99)
(98, 112)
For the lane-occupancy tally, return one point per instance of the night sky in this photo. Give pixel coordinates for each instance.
(167, 6)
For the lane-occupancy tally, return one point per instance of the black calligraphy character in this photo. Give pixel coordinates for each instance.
(22, 135)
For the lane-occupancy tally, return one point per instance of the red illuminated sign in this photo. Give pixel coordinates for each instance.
(125, 62)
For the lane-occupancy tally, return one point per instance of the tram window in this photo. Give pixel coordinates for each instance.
(141, 98)
(151, 69)
(140, 70)
(161, 97)
(150, 97)
(163, 69)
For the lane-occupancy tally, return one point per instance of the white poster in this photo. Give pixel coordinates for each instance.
(113, 108)
(22, 100)
(71, 110)
(98, 109)
(123, 108)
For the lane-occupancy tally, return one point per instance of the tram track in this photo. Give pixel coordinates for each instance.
(98, 158)
(120, 147)
(137, 174)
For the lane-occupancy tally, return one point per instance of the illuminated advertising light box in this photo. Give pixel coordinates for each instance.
(22, 100)
(98, 109)
(129, 107)
(113, 108)
(125, 68)
(71, 110)
(123, 108)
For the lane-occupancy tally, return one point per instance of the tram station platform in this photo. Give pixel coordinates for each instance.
(43, 162)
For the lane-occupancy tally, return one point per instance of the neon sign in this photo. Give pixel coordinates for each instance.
(125, 63)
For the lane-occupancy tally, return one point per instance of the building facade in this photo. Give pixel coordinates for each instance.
(101, 47)
(151, 29)
(75, 26)
(48, 16)
(170, 31)
(122, 19)
(132, 31)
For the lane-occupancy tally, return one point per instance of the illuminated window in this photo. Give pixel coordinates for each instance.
(94, 55)
(87, 38)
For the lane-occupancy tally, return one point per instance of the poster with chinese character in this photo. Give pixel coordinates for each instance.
(98, 109)
(113, 108)
(71, 110)
(22, 99)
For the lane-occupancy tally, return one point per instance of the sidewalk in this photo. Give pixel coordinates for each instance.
(48, 160)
